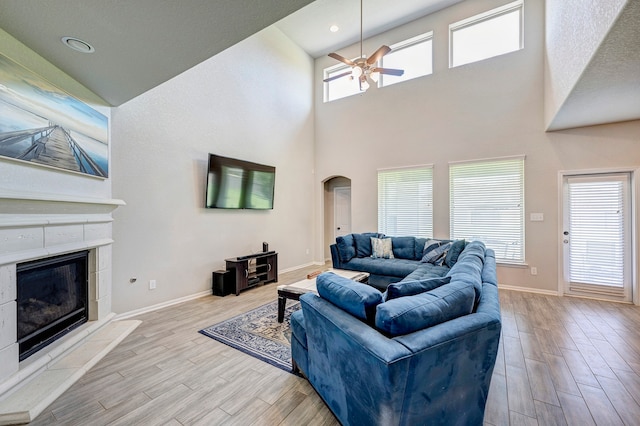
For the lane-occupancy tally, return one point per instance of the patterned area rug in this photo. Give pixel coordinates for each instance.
(259, 334)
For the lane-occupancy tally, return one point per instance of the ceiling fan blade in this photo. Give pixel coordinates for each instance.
(342, 59)
(389, 71)
(383, 50)
(335, 77)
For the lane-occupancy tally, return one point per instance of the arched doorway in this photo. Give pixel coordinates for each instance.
(337, 210)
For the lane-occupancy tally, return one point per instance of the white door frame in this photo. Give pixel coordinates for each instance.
(335, 208)
(635, 195)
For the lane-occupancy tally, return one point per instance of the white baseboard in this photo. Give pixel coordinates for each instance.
(168, 303)
(152, 308)
(295, 268)
(528, 290)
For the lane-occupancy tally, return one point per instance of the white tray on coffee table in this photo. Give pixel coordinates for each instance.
(297, 289)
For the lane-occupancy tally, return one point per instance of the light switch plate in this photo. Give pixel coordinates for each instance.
(537, 217)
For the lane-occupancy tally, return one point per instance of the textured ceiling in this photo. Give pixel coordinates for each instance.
(143, 43)
(309, 27)
(609, 88)
(139, 43)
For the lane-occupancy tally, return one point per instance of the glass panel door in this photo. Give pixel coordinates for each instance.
(597, 235)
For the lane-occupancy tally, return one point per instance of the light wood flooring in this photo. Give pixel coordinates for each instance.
(561, 361)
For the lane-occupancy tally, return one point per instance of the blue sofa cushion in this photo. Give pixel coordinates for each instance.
(363, 243)
(388, 267)
(360, 300)
(298, 328)
(489, 271)
(346, 247)
(413, 287)
(454, 252)
(469, 267)
(404, 247)
(418, 247)
(381, 248)
(405, 315)
(426, 271)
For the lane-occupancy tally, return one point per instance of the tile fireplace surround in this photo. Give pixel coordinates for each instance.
(36, 226)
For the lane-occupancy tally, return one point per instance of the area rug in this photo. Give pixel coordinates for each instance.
(259, 334)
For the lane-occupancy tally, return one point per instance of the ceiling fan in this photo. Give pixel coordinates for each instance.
(364, 68)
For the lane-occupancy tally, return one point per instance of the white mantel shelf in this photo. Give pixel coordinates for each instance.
(28, 203)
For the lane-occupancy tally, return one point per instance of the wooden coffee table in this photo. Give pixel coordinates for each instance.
(297, 289)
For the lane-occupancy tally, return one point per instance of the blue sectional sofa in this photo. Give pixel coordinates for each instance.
(421, 353)
(354, 252)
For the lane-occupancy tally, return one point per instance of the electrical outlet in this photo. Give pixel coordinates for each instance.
(152, 284)
(534, 270)
(307, 251)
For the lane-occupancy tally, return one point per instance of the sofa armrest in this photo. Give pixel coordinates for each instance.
(335, 257)
(348, 364)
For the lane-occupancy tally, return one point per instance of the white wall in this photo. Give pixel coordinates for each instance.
(26, 177)
(488, 109)
(253, 101)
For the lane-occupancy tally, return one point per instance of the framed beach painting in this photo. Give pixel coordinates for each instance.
(44, 125)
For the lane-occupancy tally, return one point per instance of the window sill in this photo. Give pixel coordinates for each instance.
(513, 265)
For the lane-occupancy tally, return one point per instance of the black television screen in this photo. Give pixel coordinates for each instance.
(238, 184)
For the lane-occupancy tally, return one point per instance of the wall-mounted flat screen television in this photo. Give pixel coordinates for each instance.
(238, 184)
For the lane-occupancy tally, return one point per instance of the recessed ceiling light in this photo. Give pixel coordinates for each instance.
(77, 45)
(334, 28)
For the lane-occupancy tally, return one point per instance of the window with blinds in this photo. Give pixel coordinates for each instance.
(487, 204)
(405, 201)
(597, 226)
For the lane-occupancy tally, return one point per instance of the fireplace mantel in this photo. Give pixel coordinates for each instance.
(38, 225)
(34, 203)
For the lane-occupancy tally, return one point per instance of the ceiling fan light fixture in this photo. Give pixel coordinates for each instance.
(77, 45)
(364, 68)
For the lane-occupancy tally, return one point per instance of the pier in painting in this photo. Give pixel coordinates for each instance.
(52, 146)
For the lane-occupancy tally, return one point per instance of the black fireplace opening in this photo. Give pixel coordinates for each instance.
(52, 299)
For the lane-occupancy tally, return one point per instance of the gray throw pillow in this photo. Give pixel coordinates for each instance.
(381, 248)
(437, 255)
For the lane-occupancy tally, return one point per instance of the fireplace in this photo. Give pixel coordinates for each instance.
(51, 299)
(38, 230)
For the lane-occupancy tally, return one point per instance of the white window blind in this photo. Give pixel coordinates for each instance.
(597, 230)
(405, 201)
(487, 204)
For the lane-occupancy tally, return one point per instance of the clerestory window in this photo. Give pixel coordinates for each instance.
(486, 35)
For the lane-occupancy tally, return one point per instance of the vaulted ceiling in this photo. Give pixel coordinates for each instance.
(140, 44)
